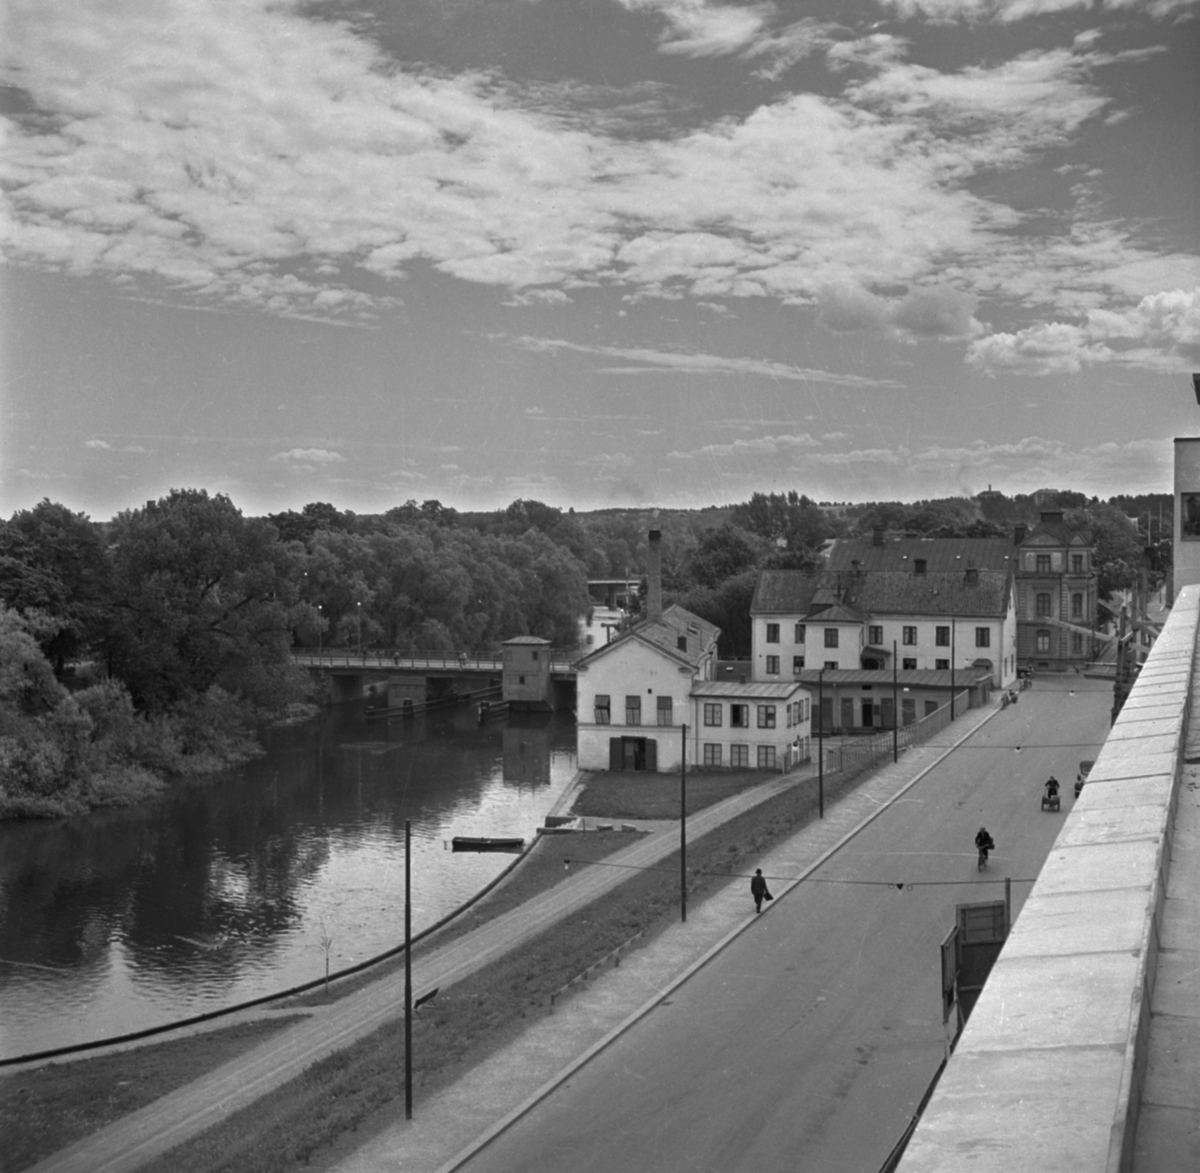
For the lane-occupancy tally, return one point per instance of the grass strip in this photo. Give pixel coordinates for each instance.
(472, 1019)
(45, 1109)
(639, 795)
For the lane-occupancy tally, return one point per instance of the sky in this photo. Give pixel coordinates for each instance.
(598, 253)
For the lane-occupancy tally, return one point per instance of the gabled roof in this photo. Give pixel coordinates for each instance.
(1057, 533)
(939, 554)
(986, 593)
(788, 592)
(664, 636)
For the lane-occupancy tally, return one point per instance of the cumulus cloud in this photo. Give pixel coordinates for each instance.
(927, 312)
(309, 456)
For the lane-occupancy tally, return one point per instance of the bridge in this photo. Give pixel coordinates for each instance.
(390, 678)
(1083, 1051)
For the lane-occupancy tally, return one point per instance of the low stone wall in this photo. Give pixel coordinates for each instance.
(1047, 1076)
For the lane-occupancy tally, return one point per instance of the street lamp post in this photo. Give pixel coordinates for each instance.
(821, 743)
(358, 607)
(408, 1006)
(953, 633)
(895, 709)
(683, 827)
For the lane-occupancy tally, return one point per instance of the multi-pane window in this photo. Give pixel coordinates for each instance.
(1076, 563)
(797, 665)
(941, 637)
(603, 709)
(1076, 643)
(942, 664)
(983, 637)
(665, 711)
(1043, 563)
(831, 637)
(633, 710)
(739, 756)
(831, 665)
(1042, 603)
(798, 634)
(739, 716)
(766, 757)
(712, 714)
(712, 754)
(875, 634)
(910, 637)
(1043, 641)
(909, 664)
(772, 633)
(766, 716)
(772, 665)
(1077, 605)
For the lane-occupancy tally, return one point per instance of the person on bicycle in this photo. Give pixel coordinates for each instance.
(984, 842)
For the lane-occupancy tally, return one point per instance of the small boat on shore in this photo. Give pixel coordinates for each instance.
(484, 843)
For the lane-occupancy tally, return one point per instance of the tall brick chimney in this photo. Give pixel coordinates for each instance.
(654, 577)
(1018, 534)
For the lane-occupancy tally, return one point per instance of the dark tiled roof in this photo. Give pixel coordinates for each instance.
(1060, 533)
(897, 593)
(787, 591)
(664, 634)
(940, 554)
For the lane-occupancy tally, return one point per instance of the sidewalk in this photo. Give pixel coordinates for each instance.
(458, 1115)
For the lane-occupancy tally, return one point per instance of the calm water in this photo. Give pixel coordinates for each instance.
(230, 887)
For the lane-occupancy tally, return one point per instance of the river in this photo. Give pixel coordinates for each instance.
(237, 885)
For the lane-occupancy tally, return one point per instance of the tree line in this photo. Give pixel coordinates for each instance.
(155, 643)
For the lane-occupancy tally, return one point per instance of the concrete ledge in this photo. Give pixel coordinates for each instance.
(1048, 1074)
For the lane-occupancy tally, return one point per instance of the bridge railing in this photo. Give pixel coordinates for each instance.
(383, 658)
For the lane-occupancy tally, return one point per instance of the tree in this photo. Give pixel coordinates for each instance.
(1119, 551)
(724, 552)
(203, 597)
(52, 561)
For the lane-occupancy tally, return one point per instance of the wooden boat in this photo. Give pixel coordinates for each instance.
(484, 843)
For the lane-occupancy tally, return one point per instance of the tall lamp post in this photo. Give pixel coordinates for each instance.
(895, 708)
(953, 656)
(408, 1006)
(821, 743)
(358, 612)
(683, 826)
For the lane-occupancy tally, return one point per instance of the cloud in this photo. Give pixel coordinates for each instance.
(645, 361)
(760, 446)
(101, 444)
(309, 457)
(927, 312)
(1010, 11)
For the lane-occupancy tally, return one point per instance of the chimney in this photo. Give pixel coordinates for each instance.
(877, 536)
(1018, 534)
(654, 577)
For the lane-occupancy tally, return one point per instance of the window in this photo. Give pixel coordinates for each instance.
(772, 665)
(1077, 606)
(1043, 603)
(797, 665)
(944, 665)
(919, 565)
(1043, 564)
(1043, 641)
(766, 757)
(831, 665)
(603, 710)
(941, 637)
(910, 637)
(1076, 643)
(983, 637)
(772, 633)
(766, 716)
(712, 714)
(799, 634)
(665, 711)
(534, 656)
(875, 634)
(712, 754)
(739, 716)
(831, 637)
(1076, 563)
(633, 710)
(909, 664)
(908, 710)
(739, 756)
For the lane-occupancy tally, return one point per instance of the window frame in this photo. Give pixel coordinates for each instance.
(633, 709)
(605, 708)
(767, 716)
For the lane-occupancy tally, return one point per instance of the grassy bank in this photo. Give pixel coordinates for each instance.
(656, 796)
(467, 1022)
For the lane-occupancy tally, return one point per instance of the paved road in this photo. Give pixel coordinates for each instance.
(809, 1041)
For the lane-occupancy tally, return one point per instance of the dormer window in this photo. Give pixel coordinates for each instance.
(919, 565)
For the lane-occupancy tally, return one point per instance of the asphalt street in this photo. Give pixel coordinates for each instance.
(810, 1040)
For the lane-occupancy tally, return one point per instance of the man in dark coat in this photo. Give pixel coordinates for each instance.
(758, 889)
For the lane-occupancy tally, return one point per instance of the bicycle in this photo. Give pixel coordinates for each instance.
(983, 856)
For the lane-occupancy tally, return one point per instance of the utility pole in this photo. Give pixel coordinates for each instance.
(683, 827)
(895, 709)
(821, 743)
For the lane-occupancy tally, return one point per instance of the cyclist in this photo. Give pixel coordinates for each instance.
(985, 843)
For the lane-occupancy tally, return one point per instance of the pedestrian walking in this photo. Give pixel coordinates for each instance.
(758, 889)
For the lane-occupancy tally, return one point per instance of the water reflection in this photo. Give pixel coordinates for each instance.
(228, 888)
